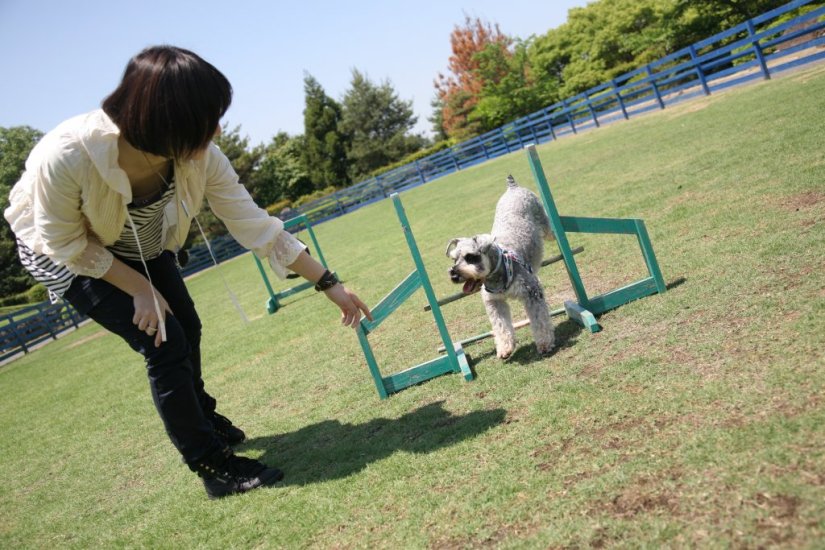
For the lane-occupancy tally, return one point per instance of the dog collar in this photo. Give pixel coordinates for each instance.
(505, 261)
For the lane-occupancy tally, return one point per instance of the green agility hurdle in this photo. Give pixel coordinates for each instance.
(585, 308)
(274, 304)
(453, 361)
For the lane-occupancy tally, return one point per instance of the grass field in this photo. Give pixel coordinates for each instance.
(695, 418)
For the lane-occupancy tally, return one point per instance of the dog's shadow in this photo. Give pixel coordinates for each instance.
(567, 334)
(331, 450)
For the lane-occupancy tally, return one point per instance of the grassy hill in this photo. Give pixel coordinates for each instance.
(695, 418)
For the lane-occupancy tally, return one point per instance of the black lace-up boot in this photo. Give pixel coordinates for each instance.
(224, 429)
(224, 473)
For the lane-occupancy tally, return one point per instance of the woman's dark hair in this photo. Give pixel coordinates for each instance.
(169, 102)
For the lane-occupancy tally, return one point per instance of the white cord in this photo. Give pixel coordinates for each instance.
(232, 296)
(161, 321)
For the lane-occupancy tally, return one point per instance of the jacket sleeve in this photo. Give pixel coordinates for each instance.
(59, 226)
(249, 224)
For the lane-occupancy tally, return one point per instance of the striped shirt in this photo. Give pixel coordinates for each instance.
(148, 219)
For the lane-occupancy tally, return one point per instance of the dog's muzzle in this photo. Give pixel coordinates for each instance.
(454, 276)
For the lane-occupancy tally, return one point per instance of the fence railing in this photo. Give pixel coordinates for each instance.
(755, 49)
(25, 328)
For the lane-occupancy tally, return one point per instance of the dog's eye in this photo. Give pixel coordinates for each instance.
(472, 258)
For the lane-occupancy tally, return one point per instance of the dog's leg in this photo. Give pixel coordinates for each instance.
(540, 323)
(502, 322)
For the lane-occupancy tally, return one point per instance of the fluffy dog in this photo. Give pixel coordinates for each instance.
(503, 265)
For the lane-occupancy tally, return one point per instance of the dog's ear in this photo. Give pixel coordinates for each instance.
(484, 242)
(450, 246)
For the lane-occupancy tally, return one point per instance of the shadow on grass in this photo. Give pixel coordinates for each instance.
(331, 450)
(567, 333)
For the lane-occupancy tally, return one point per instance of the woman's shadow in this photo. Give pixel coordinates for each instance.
(332, 450)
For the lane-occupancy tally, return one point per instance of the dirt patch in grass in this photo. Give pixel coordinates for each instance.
(802, 201)
(636, 500)
(93, 336)
(493, 539)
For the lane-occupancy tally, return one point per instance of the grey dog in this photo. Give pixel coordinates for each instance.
(504, 263)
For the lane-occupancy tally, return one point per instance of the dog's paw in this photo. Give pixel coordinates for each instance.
(504, 353)
(545, 349)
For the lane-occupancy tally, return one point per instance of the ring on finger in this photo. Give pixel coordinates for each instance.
(151, 330)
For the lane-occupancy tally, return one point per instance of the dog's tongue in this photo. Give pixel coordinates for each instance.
(471, 286)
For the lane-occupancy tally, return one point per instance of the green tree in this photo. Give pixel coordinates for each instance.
(509, 90)
(15, 145)
(281, 173)
(325, 144)
(698, 19)
(236, 148)
(378, 123)
(600, 41)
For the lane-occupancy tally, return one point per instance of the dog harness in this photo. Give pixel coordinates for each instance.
(506, 258)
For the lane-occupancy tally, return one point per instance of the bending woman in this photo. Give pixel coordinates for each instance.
(105, 201)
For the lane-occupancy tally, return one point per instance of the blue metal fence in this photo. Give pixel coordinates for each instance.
(27, 327)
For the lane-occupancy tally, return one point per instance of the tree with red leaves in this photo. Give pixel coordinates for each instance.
(458, 92)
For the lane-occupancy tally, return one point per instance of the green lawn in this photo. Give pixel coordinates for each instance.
(695, 418)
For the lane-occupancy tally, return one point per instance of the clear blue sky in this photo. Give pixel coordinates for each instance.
(59, 58)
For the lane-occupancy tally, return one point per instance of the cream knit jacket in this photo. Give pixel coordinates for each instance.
(71, 201)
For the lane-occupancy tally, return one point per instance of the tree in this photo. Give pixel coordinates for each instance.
(377, 122)
(437, 119)
(698, 19)
(509, 90)
(600, 41)
(281, 173)
(459, 91)
(15, 145)
(325, 145)
(236, 148)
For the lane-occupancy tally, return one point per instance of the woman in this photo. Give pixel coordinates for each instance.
(106, 199)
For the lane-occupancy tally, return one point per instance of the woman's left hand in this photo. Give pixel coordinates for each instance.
(351, 306)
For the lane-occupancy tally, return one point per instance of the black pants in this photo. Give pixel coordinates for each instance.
(174, 368)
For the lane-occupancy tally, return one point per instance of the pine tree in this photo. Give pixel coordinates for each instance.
(325, 146)
(15, 145)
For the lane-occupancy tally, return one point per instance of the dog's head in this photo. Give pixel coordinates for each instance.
(472, 261)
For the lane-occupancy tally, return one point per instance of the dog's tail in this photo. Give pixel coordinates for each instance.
(511, 182)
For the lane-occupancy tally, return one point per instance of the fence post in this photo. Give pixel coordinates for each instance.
(518, 137)
(338, 203)
(760, 57)
(567, 114)
(619, 98)
(70, 313)
(699, 72)
(13, 327)
(592, 110)
(484, 148)
(533, 132)
(43, 316)
(654, 87)
(381, 187)
(549, 124)
(420, 173)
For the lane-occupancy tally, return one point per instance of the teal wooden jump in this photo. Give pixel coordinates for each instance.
(454, 360)
(274, 304)
(585, 308)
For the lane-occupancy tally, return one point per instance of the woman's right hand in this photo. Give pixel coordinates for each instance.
(146, 316)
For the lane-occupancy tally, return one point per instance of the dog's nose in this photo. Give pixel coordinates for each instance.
(454, 277)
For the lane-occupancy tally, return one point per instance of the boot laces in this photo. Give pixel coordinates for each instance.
(243, 467)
